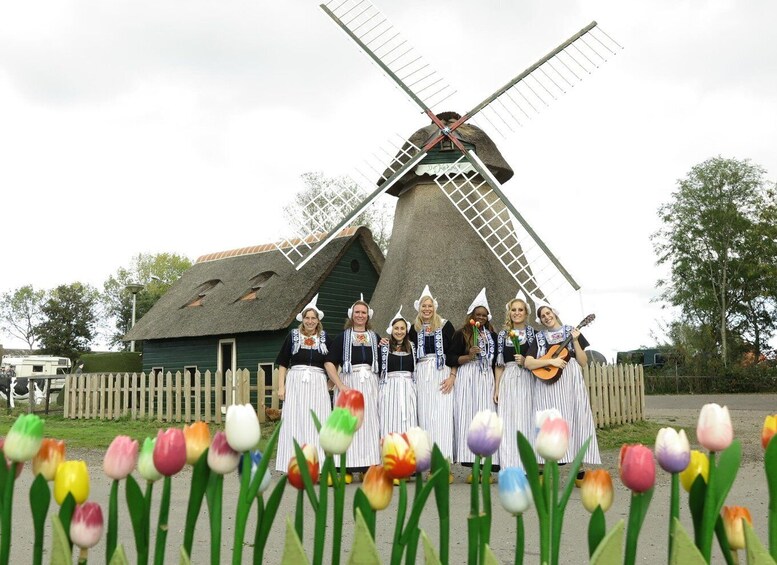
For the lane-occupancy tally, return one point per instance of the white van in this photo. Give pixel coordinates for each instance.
(35, 366)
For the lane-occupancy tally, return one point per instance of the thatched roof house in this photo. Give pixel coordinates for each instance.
(232, 309)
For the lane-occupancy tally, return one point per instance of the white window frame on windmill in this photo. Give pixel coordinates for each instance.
(508, 107)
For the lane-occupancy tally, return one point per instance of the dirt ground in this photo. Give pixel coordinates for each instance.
(747, 413)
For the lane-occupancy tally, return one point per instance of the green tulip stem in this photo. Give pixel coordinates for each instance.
(83, 555)
(519, 539)
(214, 498)
(199, 484)
(708, 514)
(550, 508)
(299, 516)
(113, 521)
(397, 548)
(339, 504)
(5, 543)
(557, 517)
(258, 545)
(146, 530)
(770, 466)
(162, 523)
(412, 545)
(243, 508)
(320, 526)
(473, 522)
(674, 510)
(637, 511)
(485, 516)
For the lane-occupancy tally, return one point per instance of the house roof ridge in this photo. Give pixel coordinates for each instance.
(265, 247)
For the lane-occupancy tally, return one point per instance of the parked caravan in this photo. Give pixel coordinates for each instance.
(36, 366)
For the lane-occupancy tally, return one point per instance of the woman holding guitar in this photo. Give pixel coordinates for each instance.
(472, 355)
(567, 392)
(514, 387)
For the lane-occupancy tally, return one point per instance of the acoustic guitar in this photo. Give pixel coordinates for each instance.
(550, 374)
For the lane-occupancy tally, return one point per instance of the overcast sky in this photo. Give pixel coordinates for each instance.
(141, 126)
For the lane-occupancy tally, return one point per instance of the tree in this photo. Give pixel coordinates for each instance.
(719, 244)
(70, 317)
(20, 313)
(156, 272)
(319, 207)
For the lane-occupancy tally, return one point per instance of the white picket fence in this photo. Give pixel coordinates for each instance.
(617, 394)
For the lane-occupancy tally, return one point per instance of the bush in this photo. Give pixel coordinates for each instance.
(112, 362)
(737, 380)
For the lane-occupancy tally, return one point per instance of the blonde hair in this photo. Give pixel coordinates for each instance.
(349, 321)
(508, 325)
(319, 326)
(434, 324)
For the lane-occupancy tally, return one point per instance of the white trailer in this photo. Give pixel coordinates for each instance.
(36, 367)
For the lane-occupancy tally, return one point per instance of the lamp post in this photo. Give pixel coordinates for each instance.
(134, 288)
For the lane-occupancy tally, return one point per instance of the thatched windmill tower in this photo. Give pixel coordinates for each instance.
(454, 228)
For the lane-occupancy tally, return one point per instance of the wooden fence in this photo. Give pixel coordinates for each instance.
(617, 395)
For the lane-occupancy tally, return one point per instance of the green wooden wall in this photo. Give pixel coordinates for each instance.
(353, 274)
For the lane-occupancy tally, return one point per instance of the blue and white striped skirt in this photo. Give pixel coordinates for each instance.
(306, 390)
(516, 390)
(365, 448)
(474, 392)
(397, 403)
(435, 409)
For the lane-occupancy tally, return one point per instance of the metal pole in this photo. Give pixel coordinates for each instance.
(134, 300)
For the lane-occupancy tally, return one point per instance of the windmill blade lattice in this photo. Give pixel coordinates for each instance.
(526, 95)
(320, 218)
(381, 41)
(509, 237)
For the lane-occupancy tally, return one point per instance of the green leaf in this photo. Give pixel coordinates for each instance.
(489, 558)
(720, 533)
(363, 551)
(273, 502)
(696, 504)
(756, 552)
(609, 551)
(684, 550)
(529, 460)
(199, 484)
(60, 544)
(66, 514)
(361, 504)
(261, 469)
(40, 499)
(418, 505)
(573, 469)
(119, 556)
(725, 473)
(183, 558)
(430, 556)
(136, 504)
(597, 528)
(305, 474)
(293, 552)
(316, 421)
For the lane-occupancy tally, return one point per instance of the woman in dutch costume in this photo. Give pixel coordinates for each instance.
(568, 394)
(434, 380)
(302, 384)
(355, 351)
(397, 394)
(514, 388)
(473, 352)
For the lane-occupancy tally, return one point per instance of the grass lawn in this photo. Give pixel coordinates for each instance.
(98, 434)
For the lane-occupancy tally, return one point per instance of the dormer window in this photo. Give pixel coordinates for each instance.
(447, 145)
(257, 283)
(202, 292)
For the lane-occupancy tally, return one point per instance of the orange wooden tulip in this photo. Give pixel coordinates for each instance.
(732, 523)
(398, 456)
(770, 428)
(378, 487)
(597, 490)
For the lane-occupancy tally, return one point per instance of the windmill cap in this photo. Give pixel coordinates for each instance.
(468, 133)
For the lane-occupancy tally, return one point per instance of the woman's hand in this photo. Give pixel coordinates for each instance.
(473, 352)
(575, 333)
(496, 395)
(447, 385)
(383, 341)
(281, 393)
(343, 388)
(557, 362)
(519, 359)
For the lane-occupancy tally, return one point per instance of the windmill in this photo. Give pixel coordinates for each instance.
(454, 228)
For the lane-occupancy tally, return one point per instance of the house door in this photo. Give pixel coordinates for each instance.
(226, 362)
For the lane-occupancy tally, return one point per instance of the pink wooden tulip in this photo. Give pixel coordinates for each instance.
(121, 457)
(714, 430)
(86, 527)
(553, 438)
(170, 451)
(637, 467)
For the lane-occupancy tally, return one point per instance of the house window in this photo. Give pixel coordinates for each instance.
(191, 372)
(202, 292)
(446, 145)
(355, 266)
(257, 283)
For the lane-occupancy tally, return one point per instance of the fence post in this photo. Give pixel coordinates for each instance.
(207, 396)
